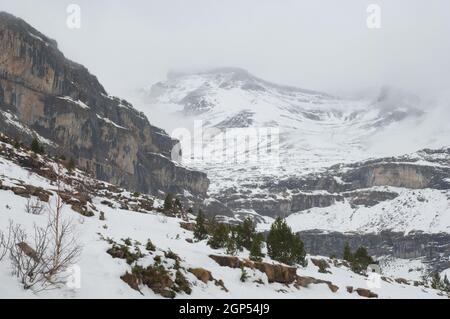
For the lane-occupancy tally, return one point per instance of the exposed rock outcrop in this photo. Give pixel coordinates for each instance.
(366, 293)
(44, 94)
(274, 272)
(360, 184)
(201, 274)
(435, 248)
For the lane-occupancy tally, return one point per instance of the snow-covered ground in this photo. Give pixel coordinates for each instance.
(425, 210)
(100, 273)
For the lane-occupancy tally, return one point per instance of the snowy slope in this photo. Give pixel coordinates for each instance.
(315, 129)
(425, 210)
(100, 273)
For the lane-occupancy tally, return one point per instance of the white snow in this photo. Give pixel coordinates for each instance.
(37, 38)
(100, 273)
(78, 102)
(111, 122)
(427, 210)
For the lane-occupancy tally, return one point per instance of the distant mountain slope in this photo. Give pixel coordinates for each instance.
(327, 174)
(316, 130)
(44, 95)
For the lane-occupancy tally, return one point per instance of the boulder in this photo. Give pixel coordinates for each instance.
(28, 250)
(366, 293)
(187, 226)
(304, 281)
(402, 281)
(227, 261)
(201, 274)
(277, 272)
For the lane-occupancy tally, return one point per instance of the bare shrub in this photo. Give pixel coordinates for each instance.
(29, 264)
(6, 240)
(54, 249)
(64, 249)
(34, 206)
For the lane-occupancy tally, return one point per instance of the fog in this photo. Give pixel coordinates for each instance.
(322, 45)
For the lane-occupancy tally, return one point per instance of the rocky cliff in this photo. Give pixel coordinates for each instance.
(365, 184)
(45, 95)
(433, 248)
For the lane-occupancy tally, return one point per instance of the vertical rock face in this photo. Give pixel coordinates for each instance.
(44, 94)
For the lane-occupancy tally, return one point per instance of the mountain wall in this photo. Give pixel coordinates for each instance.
(45, 95)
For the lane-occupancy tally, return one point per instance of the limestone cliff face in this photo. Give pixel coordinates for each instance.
(44, 94)
(407, 175)
(356, 183)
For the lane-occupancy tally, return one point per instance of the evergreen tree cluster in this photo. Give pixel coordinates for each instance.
(231, 238)
(438, 283)
(359, 260)
(172, 205)
(282, 244)
(36, 147)
(285, 246)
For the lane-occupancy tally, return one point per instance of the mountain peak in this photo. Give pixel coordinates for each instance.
(175, 74)
(19, 26)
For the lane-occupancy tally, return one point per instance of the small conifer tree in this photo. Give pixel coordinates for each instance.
(200, 232)
(285, 246)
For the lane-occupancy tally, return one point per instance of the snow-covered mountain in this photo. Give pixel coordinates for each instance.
(314, 131)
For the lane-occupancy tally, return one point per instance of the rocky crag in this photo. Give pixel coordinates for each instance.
(366, 183)
(46, 96)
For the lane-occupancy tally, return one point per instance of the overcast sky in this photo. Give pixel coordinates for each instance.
(321, 44)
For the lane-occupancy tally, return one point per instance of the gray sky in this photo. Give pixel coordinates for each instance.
(322, 44)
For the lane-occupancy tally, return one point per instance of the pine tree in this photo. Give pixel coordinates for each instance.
(231, 245)
(71, 165)
(178, 204)
(361, 260)
(446, 284)
(348, 256)
(245, 234)
(200, 232)
(36, 147)
(436, 281)
(244, 275)
(168, 202)
(285, 246)
(220, 236)
(256, 253)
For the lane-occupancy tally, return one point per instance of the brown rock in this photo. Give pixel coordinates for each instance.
(201, 274)
(187, 226)
(349, 289)
(27, 250)
(304, 281)
(366, 293)
(321, 263)
(402, 281)
(332, 287)
(220, 284)
(21, 191)
(277, 273)
(227, 261)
